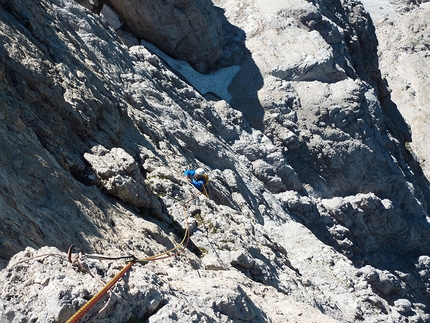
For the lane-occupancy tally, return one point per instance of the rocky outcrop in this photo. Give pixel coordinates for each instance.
(316, 210)
(225, 298)
(405, 63)
(187, 30)
(119, 174)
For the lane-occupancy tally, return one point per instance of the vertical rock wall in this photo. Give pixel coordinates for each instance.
(315, 210)
(187, 30)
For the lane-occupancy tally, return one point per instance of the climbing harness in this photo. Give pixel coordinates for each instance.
(176, 250)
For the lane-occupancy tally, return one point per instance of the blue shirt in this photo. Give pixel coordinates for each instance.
(198, 181)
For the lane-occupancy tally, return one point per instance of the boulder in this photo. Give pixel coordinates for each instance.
(119, 174)
(187, 30)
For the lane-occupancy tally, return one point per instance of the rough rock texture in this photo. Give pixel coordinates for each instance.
(405, 62)
(188, 30)
(317, 211)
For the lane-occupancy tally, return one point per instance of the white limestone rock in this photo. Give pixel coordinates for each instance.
(315, 204)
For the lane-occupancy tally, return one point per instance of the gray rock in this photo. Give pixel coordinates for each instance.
(315, 204)
(403, 306)
(93, 5)
(111, 17)
(383, 281)
(189, 30)
(119, 174)
(405, 63)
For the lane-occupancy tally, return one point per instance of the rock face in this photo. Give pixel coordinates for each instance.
(317, 210)
(119, 174)
(188, 30)
(406, 66)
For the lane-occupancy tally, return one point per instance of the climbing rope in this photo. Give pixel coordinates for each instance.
(84, 309)
(175, 251)
(205, 192)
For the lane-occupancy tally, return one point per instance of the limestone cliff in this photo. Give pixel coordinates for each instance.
(317, 211)
(405, 63)
(188, 30)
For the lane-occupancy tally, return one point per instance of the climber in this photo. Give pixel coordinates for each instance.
(198, 178)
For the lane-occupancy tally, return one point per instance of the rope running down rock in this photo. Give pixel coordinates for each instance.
(177, 249)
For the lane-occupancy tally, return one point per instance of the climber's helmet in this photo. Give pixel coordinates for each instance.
(200, 171)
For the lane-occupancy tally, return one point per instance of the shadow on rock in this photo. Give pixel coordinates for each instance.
(245, 85)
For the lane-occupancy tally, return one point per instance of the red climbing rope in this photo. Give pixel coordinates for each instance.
(84, 309)
(178, 249)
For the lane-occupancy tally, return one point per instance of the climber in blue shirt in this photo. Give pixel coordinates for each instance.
(198, 178)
